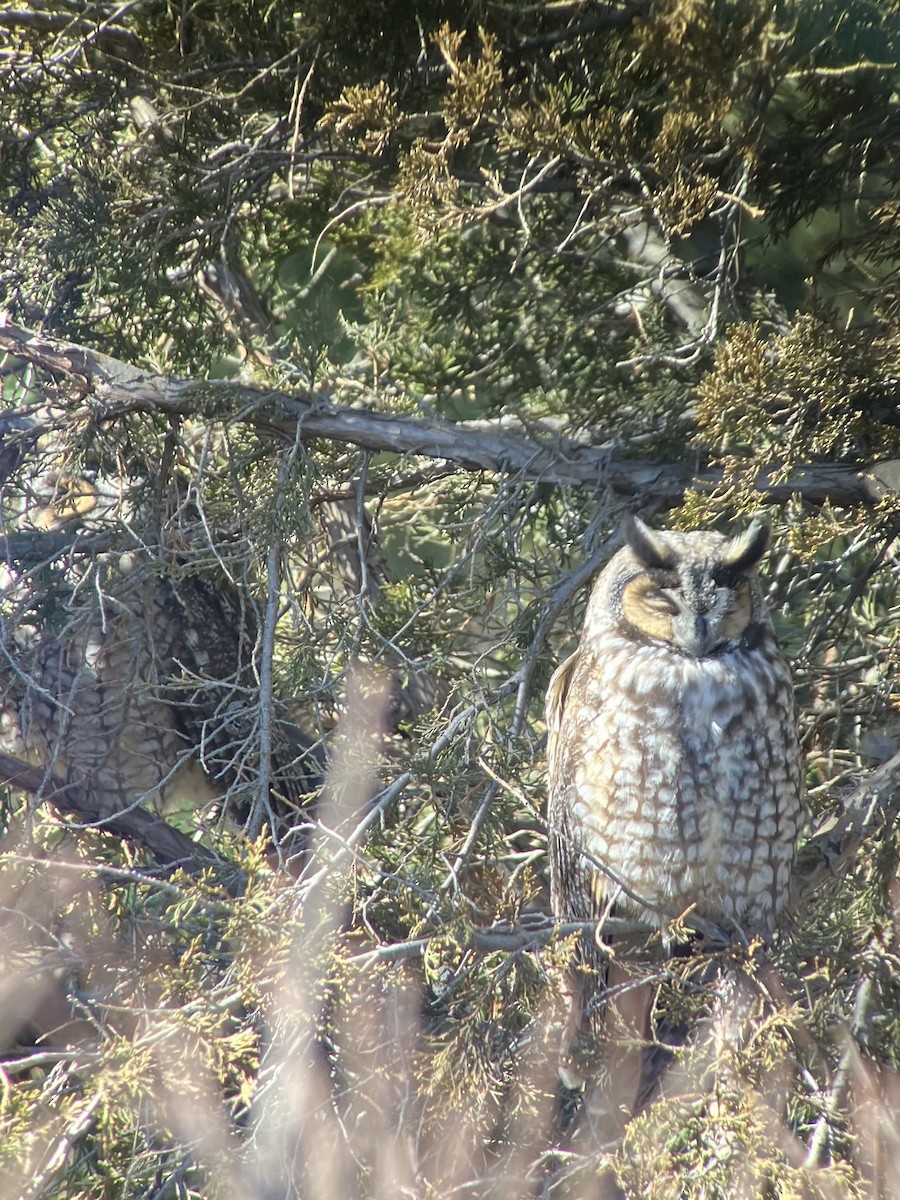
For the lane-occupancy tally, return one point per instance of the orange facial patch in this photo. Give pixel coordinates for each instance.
(647, 609)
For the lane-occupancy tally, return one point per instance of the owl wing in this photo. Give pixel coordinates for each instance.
(577, 890)
(557, 692)
(568, 877)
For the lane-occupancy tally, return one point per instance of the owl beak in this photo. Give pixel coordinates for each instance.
(700, 637)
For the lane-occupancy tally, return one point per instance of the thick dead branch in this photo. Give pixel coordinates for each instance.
(105, 34)
(135, 825)
(116, 388)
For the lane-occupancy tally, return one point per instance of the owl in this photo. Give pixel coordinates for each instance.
(150, 701)
(674, 765)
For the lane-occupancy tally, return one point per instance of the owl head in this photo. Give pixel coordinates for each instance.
(694, 592)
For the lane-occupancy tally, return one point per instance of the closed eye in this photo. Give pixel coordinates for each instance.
(660, 602)
(649, 606)
(725, 577)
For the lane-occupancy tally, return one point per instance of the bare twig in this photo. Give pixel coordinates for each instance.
(822, 1131)
(262, 808)
(504, 938)
(41, 1181)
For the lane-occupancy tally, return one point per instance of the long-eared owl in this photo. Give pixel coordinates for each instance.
(674, 765)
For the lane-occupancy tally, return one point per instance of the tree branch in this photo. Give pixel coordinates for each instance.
(118, 389)
(874, 806)
(168, 845)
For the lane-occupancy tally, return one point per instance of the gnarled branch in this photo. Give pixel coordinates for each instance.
(119, 388)
(169, 846)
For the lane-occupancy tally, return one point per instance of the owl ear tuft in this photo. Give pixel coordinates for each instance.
(744, 551)
(646, 545)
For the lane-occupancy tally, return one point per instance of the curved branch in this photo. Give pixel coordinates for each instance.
(169, 846)
(118, 388)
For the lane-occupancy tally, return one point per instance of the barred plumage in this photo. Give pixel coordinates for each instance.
(153, 700)
(674, 765)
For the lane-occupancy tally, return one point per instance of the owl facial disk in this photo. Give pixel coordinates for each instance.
(665, 608)
(699, 609)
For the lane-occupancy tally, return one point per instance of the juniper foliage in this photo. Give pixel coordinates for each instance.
(377, 284)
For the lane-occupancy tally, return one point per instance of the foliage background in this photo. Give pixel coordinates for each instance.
(658, 241)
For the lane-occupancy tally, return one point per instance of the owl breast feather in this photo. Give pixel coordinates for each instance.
(685, 780)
